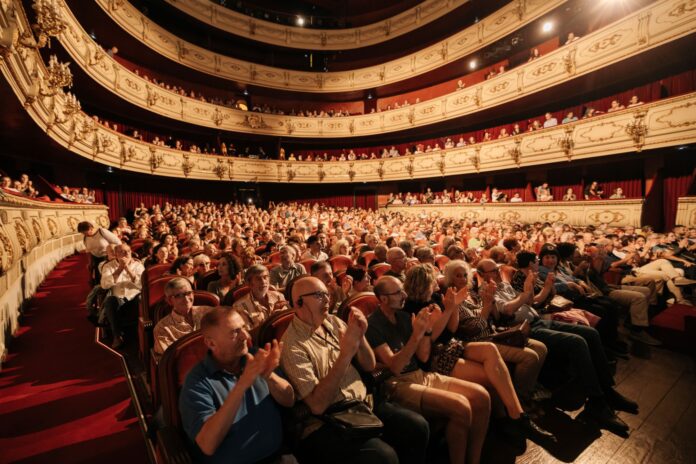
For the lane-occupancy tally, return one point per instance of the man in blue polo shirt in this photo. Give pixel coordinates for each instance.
(228, 401)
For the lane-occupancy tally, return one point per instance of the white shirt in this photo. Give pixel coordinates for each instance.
(97, 243)
(122, 286)
(321, 257)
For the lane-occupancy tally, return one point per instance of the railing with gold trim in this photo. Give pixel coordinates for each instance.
(305, 38)
(659, 124)
(499, 24)
(686, 211)
(34, 237)
(615, 213)
(653, 26)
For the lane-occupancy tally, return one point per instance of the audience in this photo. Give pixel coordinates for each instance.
(451, 331)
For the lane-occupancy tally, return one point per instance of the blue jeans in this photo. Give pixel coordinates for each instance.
(583, 351)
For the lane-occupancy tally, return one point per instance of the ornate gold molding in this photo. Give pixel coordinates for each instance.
(461, 44)
(271, 33)
(615, 213)
(34, 236)
(590, 53)
(669, 122)
(686, 211)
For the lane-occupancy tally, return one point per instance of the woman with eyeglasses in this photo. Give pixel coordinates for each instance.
(183, 266)
(478, 362)
(474, 324)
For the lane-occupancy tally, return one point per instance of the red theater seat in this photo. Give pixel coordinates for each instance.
(340, 263)
(366, 302)
(274, 327)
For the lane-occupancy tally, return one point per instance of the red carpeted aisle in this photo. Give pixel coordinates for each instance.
(63, 398)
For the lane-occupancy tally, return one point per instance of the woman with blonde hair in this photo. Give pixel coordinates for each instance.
(474, 361)
(341, 247)
(473, 325)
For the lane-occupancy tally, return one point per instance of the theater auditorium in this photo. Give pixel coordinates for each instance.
(357, 231)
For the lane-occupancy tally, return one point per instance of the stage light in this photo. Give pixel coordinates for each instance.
(300, 21)
(472, 64)
(547, 27)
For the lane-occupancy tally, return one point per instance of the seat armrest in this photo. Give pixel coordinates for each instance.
(171, 446)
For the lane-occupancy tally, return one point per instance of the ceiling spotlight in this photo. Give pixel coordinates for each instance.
(369, 96)
(246, 92)
(547, 27)
(300, 21)
(472, 64)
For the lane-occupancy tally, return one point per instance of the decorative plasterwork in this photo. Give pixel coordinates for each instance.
(461, 44)
(600, 49)
(316, 39)
(613, 213)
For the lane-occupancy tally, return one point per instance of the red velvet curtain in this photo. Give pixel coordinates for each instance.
(674, 186)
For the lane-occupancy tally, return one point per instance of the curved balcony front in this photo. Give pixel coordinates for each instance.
(304, 38)
(655, 25)
(473, 38)
(663, 123)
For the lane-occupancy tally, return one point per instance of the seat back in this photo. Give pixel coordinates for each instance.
(205, 279)
(340, 263)
(368, 257)
(378, 270)
(307, 263)
(274, 327)
(175, 364)
(367, 302)
(155, 271)
(240, 292)
(441, 261)
(274, 257)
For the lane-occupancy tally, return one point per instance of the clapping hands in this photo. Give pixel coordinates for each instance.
(263, 363)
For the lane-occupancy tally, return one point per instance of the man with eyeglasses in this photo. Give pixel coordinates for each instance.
(184, 318)
(579, 345)
(229, 401)
(320, 356)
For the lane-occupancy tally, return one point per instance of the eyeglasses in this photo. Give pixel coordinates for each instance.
(320, 295)
(496, 270)
(398, 292)
(182, 294)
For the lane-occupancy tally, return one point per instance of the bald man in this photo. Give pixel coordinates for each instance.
(318, 358)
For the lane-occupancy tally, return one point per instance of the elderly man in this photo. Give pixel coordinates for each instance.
(288, 269)
(184, 318)
(319, 358)
(396, 257)
(400, 342)
(122, 278)
(257, 305)
(580, 346)
(96, 240)
(228, 401)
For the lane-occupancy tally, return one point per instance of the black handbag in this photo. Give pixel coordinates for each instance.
(353, 419)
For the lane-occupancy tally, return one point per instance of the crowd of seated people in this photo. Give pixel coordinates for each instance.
(239, 102)
(228, 148)
(78, 195)
(450, 285)
(23, 186)
(542, 193)
(510, 130)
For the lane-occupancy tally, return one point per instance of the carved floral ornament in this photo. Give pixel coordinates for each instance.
(52, 227)
(563, 61)
(22, 233)
(49, 21)
(488, 30)
(7, 254)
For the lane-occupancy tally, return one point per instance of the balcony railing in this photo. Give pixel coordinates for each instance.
(655, 25)
(291, 36)
(498, 25)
